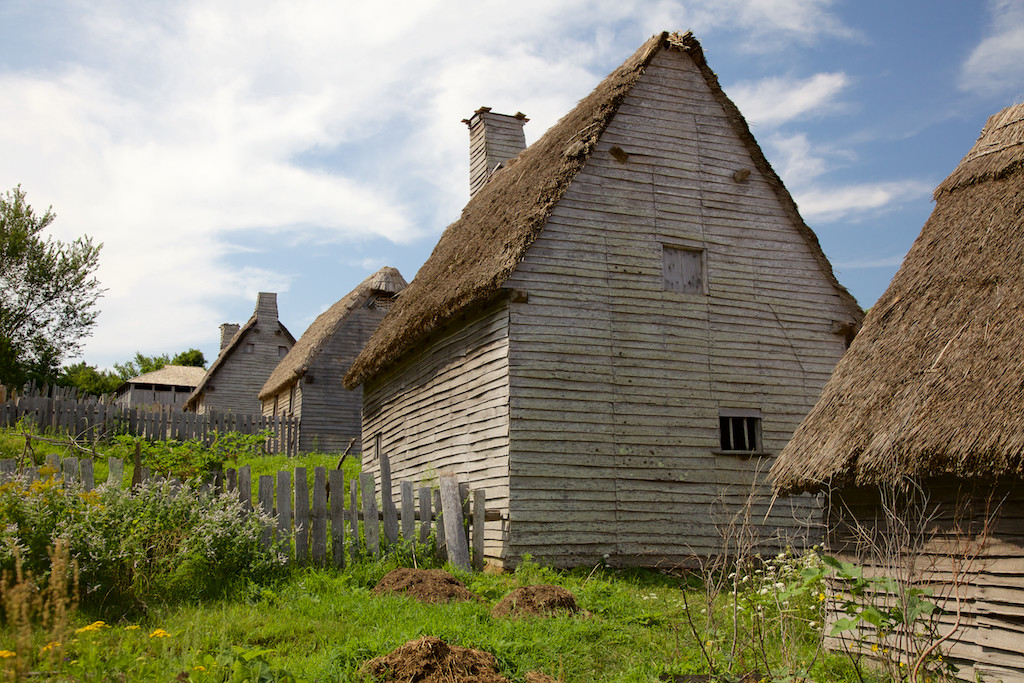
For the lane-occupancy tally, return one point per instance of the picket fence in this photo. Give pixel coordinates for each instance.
(319, 532)
(57, 409)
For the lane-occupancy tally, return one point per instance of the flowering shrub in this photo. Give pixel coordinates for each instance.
(154, 543)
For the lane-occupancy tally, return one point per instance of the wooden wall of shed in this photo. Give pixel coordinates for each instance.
(991, 586)
(445, 408)
(239, 379)
(330, 412)
(616, 384)
(174, 397)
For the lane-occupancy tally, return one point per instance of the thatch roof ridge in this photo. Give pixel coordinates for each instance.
(171, 375)
(236, 340)
(477, 253)
(998, 151)
(932, 384)
(297, 362)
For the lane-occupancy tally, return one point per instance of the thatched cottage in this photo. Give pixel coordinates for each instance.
(169, 386)
(307, 383)
(925, 407)
(248, 354)
(621, 331)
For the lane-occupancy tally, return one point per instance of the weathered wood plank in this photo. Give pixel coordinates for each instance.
(284, 507)
(336, 481)
(371, 524)
(408, 513)
(387, 502)
(302, 517)
(426, 515)
(479, 528)
(265, 497)
(319, 521)
(454, 531)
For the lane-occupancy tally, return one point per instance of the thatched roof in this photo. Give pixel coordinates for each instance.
(478, 252)
(225, 353)
(171, 375)
(934, 382)
(387, 281)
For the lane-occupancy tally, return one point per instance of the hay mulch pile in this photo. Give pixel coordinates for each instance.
(426, 585)
(431, 660)
(542, 601)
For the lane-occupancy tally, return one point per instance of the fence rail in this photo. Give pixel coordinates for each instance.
(89, 419)
(317, 525)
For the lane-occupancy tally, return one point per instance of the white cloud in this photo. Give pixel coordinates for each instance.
(774, 101)
(996, 65)
(894, 261)
(824, 205)
(181, 134)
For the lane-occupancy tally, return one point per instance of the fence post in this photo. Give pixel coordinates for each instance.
(336, 482)
(454, 532)
(425, 514)
(319, 526)
(479, 512)
(115, 472)
(353, 545)
(245, 487)
(371, 523)
(88, 480)
(442, 548)
(301, 516)
(266, 500)
(284, 506)
(386, 501)
(408, 513)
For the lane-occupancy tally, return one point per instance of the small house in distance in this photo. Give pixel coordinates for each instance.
(169, 386)
(307, 383)
(925, 412)
(248, 354)
(619, 334)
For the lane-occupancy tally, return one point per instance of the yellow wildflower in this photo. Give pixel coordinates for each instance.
(94, 626)
(4, 654)
(159, 633)
(49, 646)
(133, 627)
(874, 647)
(199, 668)
(821, 597)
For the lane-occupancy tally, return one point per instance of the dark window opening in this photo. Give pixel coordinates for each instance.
(282, 351)
(248, 348)
(740, 433)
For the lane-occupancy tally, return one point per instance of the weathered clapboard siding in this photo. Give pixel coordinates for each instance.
(446, 409)
(616, 384)
(991, 592)
(329, 414)
(235, 378)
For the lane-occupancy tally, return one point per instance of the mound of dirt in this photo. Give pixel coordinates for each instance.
(431, 660)
(426, 585)
(542, 600)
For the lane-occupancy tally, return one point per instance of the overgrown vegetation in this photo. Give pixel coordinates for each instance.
(154, 585)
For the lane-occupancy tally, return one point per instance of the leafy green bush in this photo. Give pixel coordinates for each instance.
(149, 545)
(190, 459)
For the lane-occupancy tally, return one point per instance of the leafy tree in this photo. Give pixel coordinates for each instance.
(192, 357)
(89, 380)
(48, 293)
(140, 364)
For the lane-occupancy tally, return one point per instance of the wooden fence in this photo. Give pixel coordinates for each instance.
(89, 419)
(317, 525)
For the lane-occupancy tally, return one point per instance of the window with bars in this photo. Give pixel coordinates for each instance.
(740, 431)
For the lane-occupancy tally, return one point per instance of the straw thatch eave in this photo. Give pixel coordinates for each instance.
(477, 253)
(934, 383)
(387, 281)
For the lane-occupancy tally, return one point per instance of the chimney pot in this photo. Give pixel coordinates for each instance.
(493, 140)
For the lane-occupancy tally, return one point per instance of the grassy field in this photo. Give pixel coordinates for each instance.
(153, 605)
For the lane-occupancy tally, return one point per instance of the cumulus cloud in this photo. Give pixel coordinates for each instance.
(826, 204)
(996, 65)
(774, 101)
(182, 135)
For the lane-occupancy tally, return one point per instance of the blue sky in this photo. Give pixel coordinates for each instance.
(219, 149)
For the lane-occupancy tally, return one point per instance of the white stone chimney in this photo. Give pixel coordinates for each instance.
(493, 140)
(266, 307)
(227, 331)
